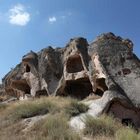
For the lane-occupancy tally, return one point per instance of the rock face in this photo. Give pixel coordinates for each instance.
(107, 70)
(1, 90)
(2, 93)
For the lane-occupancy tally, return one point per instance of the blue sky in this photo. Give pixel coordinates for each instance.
(34, 24)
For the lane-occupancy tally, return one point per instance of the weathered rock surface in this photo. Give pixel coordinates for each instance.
(1, 89)
(106, 69)
(3, 96)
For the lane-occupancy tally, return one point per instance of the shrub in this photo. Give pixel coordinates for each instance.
(75, 108)
(55, 127)
(103, 126)
(127, 134)
(28, 109)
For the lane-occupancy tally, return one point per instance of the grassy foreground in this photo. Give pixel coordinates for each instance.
(54, 126)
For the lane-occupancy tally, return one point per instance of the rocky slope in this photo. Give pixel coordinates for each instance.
(106, 70)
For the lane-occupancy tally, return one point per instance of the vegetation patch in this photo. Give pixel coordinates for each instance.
(108, 128)
(28, 109)
(3, 106)
(75, 108)
(55, 127)
(127, 134)
(104, 125)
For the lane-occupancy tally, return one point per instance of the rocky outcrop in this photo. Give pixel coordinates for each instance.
(1, 90)
(106, 70)
(3, 96)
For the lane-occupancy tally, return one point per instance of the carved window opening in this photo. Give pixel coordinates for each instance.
(79, 89)
(28, 69)
(74, 64)
(126, 71)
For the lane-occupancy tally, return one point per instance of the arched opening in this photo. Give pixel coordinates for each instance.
(79, 89)
(74, 64)
(100, 87)
(28, 68)
(26, 88)
(21, 86)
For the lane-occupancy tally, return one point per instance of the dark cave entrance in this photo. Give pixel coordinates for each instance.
(79, 89)
(101, 87)
(28, 68)
(27, 88)
(41, 93)
(21, 85)
(128, 122)
(99, 92)
(74, 64)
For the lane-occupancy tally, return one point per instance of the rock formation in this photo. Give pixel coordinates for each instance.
(1, 90)
(107, 70)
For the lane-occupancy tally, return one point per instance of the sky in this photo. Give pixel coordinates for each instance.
(35, 24)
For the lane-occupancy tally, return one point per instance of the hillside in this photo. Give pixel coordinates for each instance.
(48, 118)
(81, 91)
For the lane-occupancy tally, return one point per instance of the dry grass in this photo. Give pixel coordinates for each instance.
(55, 125)
(75, 108)
(103, 126)
(26, 109)
(3, 107)
(108, 128)
(127, 134)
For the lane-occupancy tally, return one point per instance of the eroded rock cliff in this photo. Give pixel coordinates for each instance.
(106, 70)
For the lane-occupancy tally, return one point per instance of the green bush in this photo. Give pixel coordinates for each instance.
(75, 108)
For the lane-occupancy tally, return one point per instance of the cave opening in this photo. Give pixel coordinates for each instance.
(27, 88)
(21, 85)
(74, 64)
(28, 68)
(127, 122)
(101, 87)
(79, 89)
(41, 93)
(99, 92)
